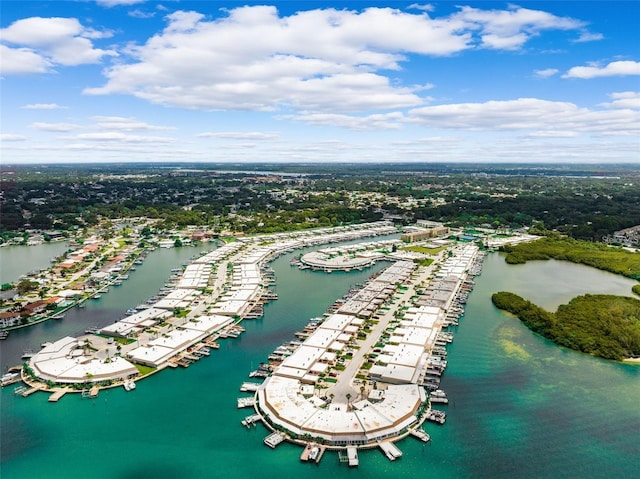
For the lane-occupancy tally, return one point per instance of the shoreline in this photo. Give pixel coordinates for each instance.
(248, 251)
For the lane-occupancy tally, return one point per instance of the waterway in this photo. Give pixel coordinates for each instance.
(520, 406)
(18, 260)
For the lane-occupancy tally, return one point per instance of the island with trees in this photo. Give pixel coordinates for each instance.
(604, 326)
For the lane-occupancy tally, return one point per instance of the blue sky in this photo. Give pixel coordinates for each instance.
(319, 81)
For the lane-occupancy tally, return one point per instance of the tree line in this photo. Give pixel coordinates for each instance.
(605, 326)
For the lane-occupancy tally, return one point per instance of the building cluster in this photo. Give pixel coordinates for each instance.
(425, 233)
(155, 333)
(402, 356)
(349, 257)
(292, 405)
(626, 237)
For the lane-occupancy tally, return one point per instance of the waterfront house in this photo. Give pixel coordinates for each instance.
(9, 318)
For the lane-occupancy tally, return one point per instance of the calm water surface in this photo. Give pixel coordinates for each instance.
(520, 406)
(18, 260)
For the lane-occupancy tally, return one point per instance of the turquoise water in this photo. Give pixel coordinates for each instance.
(520, 406)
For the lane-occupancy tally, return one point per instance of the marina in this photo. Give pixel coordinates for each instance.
(308, 390)
(237, 293)
(405, 345)
(479, 378)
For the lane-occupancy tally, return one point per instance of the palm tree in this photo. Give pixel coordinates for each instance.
(348, 398)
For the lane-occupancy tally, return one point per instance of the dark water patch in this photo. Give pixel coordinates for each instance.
(157, 470)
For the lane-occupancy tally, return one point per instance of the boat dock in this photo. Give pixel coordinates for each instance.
(249, 387)
(55, 397)
(246, 402)
(435, 415)
(421, 434)
(91, 393)
(251, 420)
(352, 456)
(312, 452)
(274, 439)
(10, 378)
(27, 392)
(390, 450)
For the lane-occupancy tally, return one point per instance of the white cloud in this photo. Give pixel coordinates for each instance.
(510, 29)
(22, 60)
(424, 8)
(383, 121)
(43, 106)
(322, 60)
(238, 135)
(116, 136)
(56, 127)
(553, 134)
(588, 37)
(126, 124)
(546, 73)
(141, 14)
(42, 43)
(12, 137)
(627, 99)
(527, 114)
(619, 68)
(113, 3)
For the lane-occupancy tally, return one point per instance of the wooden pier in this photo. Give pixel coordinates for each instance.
(274, 439)
(352, 456)
(29, 392)
(420, 434)
(312, 453)
(55, 397)
(390, 450)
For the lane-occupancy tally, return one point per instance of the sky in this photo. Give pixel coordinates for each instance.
(319, 81)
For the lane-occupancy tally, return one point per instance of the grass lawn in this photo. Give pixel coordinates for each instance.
(424, 249)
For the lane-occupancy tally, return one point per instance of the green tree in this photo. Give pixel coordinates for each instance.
(26, 286)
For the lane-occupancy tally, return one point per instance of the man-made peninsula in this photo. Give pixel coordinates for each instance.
(602, 325)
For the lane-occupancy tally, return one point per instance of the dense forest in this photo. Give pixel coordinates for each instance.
(581, 201)
(597, 255)
(601, 325)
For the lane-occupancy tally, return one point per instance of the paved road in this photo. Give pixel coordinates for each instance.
(345, 384)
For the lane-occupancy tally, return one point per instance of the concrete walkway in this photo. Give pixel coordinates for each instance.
(346, 384)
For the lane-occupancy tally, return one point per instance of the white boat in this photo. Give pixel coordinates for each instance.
(313, 454)
(421, 434)
(246, 402)
(129, 385)
(9, 378)
(438, 396)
